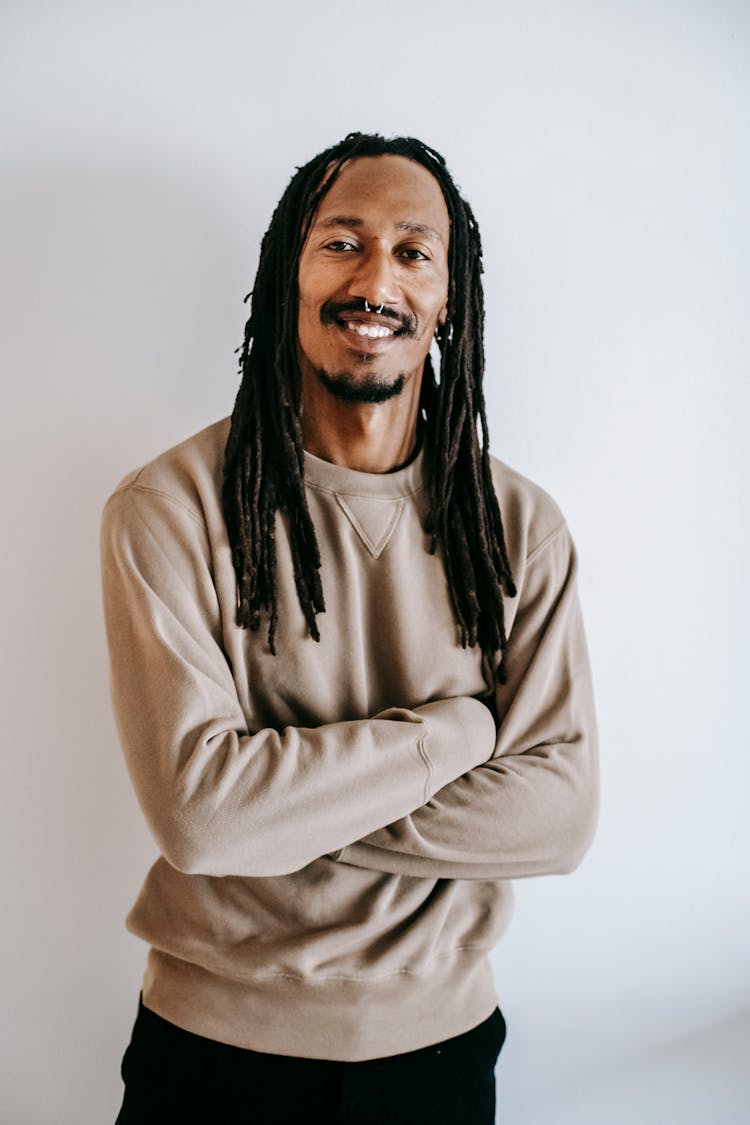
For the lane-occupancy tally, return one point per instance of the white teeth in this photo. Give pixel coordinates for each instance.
(373, 331)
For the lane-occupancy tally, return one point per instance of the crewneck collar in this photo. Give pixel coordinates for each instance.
(328, 477)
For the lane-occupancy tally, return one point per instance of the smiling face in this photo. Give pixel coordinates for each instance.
(380, 238)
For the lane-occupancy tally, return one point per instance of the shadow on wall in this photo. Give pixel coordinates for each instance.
(122, 291)
(700, 1078)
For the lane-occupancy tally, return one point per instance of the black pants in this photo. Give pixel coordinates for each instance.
(172, 1075)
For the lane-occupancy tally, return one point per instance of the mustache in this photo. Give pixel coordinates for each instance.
(332, 312)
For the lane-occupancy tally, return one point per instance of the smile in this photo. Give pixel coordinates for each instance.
(371, 331)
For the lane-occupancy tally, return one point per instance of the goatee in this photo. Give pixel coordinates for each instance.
(350, 388)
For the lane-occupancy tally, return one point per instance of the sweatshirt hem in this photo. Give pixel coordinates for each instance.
(342, 1018)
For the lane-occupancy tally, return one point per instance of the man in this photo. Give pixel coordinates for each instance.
(352, 703)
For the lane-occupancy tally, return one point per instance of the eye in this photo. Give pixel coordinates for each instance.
(412, 254)
(339, 245)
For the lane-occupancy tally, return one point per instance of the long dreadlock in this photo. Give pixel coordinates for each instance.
(264, 459)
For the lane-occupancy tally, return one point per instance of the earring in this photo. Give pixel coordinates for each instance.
(441, 335)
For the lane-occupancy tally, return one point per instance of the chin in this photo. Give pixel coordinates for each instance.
(358, 388)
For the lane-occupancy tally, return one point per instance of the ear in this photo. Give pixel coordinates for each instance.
(443, 314)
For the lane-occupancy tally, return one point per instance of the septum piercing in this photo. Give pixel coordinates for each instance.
(369, 307)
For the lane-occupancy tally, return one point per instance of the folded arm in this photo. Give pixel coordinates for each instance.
(220, 799)
(531, 809)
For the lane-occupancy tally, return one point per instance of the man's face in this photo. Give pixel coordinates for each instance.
(380, 237)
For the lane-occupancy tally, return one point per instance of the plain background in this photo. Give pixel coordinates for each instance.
(603, 145)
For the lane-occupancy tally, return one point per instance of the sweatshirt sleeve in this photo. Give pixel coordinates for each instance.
(221, 799)
(531, 809)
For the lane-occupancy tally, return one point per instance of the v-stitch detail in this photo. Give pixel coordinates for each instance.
(367, 519)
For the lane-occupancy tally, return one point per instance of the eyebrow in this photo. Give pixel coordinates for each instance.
(405, 225)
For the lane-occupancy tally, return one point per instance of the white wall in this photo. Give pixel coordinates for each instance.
(603, 144)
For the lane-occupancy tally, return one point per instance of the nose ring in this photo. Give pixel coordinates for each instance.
(369, 308)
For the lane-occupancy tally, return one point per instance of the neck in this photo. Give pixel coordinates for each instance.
(368, 437)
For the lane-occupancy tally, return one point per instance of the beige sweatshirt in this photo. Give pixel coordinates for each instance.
(338, 824)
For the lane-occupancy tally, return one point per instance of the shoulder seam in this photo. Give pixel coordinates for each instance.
(135, 486)
(540, 547)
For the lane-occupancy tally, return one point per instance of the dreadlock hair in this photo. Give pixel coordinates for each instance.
(264, 458)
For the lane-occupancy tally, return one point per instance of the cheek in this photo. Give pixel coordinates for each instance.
(435, 295)
(309, 299)
(305, 287)
(308, 322)
(432, 309)
(305, 309)
(315, 281)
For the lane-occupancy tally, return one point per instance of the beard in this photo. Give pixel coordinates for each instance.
(352, 388)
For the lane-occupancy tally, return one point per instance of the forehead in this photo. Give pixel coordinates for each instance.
(386, 191)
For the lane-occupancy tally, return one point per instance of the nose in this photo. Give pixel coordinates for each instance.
(374, 280)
